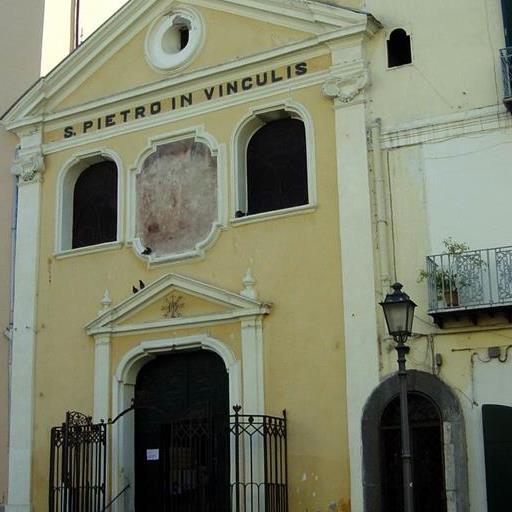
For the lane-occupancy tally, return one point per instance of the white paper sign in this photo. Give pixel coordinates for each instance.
(153, 454)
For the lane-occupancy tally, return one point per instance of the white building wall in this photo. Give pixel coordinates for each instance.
(455, 58)
(468, 183)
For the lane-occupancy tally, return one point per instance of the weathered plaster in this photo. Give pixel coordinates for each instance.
(177, 197)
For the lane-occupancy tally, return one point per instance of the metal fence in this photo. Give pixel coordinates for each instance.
(260, 472)
(253, 446)
(78, 462)
(506, 66)
(470, 279)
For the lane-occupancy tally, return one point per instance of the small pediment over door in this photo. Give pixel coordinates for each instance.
(173, 301)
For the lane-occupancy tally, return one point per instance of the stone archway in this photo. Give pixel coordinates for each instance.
(455, 457)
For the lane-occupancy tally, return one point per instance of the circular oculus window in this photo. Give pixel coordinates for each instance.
(173, 40)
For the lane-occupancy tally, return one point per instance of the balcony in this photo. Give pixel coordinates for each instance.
(470, 284)
(506, 66)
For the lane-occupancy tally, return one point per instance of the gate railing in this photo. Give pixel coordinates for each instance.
(259, 471)
(78, 465)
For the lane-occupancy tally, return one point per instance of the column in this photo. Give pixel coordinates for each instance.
(101, 407)
(28, 166)
(346, 88)
(252, 366)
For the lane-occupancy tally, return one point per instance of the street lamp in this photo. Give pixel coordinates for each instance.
(399, 313)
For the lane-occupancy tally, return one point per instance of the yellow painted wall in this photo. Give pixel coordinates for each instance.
(228, 37)
(295, 260)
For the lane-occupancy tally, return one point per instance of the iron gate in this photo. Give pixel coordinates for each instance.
(78, 462)
(251, 449)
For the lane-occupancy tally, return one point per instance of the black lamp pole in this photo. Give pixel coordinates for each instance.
(399, 312)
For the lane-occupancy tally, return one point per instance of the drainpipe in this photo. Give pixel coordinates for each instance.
(382, 209)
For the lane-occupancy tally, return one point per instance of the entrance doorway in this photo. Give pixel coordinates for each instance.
(427, 450)
(181, 441)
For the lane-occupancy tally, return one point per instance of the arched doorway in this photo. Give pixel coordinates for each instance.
(181, 447)
(437, 421)
(427, 448)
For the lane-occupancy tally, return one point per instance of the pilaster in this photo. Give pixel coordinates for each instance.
(101, 408)
(252, 366)
(28, 166)
(346, 86)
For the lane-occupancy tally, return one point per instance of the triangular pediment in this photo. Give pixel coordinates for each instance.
(173, 301)
(112, 61)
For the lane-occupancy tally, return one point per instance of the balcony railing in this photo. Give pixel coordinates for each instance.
(506, 66)
(470, 279)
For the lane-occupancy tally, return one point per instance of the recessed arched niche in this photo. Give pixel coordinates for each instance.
(177, 208)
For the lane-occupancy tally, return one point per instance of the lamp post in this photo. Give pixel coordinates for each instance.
(399, 313)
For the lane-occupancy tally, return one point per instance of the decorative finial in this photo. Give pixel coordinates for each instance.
(106, 302)
(249, 282)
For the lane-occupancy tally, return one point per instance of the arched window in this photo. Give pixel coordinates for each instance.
(427, 450)
(399, 48)
(95, 205)
(274, 161)
(277, 167)
(88, 203)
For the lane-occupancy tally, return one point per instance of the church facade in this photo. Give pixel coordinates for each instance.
(213, 198)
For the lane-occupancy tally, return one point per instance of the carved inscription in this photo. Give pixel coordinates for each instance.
(177, 197)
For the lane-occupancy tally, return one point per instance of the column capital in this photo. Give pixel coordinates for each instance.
(102, 339)
(28, 162)
(347, 82)
(28, 167)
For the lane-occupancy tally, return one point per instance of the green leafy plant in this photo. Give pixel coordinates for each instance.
(445, 276)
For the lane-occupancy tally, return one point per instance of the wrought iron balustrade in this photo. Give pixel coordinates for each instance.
(78, 462)
(255, 445)
(470, 279)
(506, 66)
(259, 447)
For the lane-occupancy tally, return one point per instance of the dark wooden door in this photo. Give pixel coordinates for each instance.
(181, 450)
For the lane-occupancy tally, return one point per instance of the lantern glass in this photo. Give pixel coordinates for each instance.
(399, 312)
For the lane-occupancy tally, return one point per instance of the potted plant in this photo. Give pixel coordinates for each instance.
(443, 273)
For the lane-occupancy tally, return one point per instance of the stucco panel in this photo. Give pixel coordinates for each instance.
(176, 197)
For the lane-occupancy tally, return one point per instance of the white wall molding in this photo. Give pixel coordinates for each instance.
(323, 21)
(123, 465)
(163, 59)
(66, 182)
(242, 134)
(215, 105)
(437, 129)
(28, 166)
(218, 151)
